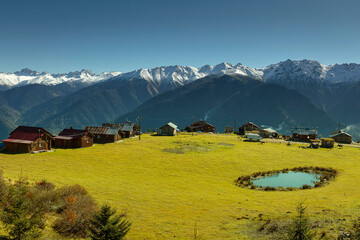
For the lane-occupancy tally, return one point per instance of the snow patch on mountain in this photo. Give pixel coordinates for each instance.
(288, 72)
(308, 71)
(181, 75)
(27, 76)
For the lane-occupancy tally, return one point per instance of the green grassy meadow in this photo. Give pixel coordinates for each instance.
(167, 184)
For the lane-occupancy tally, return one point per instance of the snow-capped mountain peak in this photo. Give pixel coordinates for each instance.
(310, 70)
(27, 76)
(287, 72)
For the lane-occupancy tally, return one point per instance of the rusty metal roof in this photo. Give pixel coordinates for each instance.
(75, 133)
(112, 125)
(102, 130)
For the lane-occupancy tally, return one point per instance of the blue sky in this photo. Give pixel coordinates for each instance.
(62, 36)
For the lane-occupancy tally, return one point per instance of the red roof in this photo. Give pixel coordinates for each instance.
(74, 133)
(17, 141)
(28, 133)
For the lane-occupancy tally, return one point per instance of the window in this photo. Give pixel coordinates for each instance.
(98, 136)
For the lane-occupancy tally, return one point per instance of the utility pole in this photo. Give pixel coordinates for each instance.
(192, 130)
(234, 125)
(139, 120)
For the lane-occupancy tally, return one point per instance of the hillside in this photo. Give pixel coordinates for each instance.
(223, 99)
(165, 193)
(92, 105)
(9, 119)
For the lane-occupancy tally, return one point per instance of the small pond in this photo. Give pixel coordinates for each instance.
(287, 179)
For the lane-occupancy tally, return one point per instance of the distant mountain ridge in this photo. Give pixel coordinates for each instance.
(79, 98)
(282, 73)
(233, 97)
(27, 76)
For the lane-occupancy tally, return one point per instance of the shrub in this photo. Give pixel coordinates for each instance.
(45, 185)
(75, 212)
(300, 228)
(20, 216)
(3, 186)
(107, 225)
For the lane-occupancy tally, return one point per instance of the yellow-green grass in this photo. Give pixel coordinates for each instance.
(166, 193)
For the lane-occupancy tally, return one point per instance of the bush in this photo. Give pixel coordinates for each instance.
(3, 187)
(20, 216)
(45, 185)
(76, 210)
(106, 225)
(300, 228)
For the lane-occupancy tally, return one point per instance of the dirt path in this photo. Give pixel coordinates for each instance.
(272, 140)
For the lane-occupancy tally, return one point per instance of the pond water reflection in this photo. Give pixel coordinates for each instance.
(288, 179)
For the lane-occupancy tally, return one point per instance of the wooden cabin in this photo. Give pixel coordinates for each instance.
(168, 129)
(127, 128)
(228, 129)
(248, 127)
(270, 133)
(251, 127)
(26, 139)
(327, 142)
(303, 134)
(341, 137)
(104, 134)
(315, 143)
(74, 138)
(201, 126)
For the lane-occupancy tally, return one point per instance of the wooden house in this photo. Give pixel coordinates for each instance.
(251, 127)
(74, 138)
(168, 129)
(201, 126)
(327, 142)
(228, 129)
(341, 137)
(270, 133)
(248, 127)
(104, 134)
(127, 129)
(26, 139)
(303, 134)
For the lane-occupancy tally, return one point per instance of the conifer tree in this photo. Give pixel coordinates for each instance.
(300, 228)
(107, 225)
(21, 219)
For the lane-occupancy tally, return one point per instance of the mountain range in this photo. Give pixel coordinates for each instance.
(56, 101)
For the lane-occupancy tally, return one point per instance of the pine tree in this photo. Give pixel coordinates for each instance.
(300, 228)
(107, 225)
(20, 218)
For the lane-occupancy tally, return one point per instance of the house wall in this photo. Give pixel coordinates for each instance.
(83, 142)
(102, 138)
(343, 139)
(327, 144)
(17, 147)
(41, 144)
(167, 131)
(300, 137)
(62, 143)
